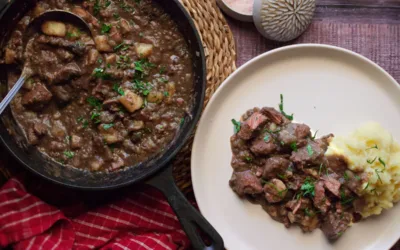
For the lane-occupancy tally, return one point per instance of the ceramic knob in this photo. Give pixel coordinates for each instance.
(283, 20)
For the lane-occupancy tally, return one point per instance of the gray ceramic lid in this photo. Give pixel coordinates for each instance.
(283, 20)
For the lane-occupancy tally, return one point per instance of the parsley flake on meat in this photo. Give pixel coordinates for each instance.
(100, 73)
(290, 117)
(308, 187)
(105, 28)
(293, 146)
(94, 102)
(236, 125)
(309, 150)
(266, 138)
(118, 89)
(69, 154)
(108, 126)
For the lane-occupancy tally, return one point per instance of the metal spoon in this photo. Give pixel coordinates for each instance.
(34, 27)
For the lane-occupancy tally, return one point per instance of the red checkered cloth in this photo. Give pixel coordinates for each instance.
(141, 220)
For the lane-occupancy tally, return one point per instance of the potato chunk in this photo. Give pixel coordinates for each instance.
(144, 50)
(131, 101)
(9, 56)
(53, 28)
(155, 97)
(102, 44)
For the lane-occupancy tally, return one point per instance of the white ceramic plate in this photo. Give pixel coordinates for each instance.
(329, 88)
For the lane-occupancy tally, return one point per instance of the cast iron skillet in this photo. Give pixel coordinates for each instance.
(156, 172)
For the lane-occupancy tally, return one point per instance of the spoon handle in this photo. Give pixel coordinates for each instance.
(10, 95)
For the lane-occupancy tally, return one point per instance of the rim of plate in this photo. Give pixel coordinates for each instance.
(254, 60)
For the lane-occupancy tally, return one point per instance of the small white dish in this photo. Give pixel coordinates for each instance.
(329, 88)
(234, 13)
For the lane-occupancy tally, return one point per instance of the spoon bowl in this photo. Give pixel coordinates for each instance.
(35, 27)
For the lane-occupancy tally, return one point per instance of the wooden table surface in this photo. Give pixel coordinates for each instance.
(368, 27)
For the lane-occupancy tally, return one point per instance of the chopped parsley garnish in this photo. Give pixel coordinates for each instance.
(142, 65)
(122, 46)
(308, 187)
(315, 135)
(100, 61)
(283, 177)
(382, 162)
(377, 171)
(345, 200)
(308, 213)
(100, 73)
(273, 132)
(96, 7)
(290, 117)
(236, 125)
(118, 89)
(309, 150)
(162, 79)
(357, 177)
(293, 146)
(266, 138)
(248, 159)
(366, 186)
(94, 102)
(116, 16)
(374, 147)
(182, 121)
(69, 154)
(166, 93)
(105, 28)
(73, 34)
(345, 176)
(162, 69)
(371, 161)
(320, 168)
(108, 126)
(95, 117)
(142, 87)
(108, 3)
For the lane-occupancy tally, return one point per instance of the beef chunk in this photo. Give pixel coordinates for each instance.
(62, 93)
(263, 145)
(275, 190)
(332, 185)
(353, 181)
(278, 213)
(337, 164)
(311, 154)
(275, 116)
(251, 124)
(58, 146)
(274, 166)
(65, 73)
(245, 183)
(237, 144)
(39, 95)
(239, 165)
(334, 224)
(294, 133)
(320, 200)
(303, 214)
(75, 47)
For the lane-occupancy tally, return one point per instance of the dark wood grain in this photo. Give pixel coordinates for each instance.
(368, 27)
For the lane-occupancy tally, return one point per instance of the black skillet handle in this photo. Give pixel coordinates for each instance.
(189, 217)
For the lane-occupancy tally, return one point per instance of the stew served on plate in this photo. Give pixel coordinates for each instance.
(282, 166)
(106, 99)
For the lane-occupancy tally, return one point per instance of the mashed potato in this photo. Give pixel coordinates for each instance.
(372, 149)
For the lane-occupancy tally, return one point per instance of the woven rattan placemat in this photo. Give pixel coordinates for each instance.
(219, 47)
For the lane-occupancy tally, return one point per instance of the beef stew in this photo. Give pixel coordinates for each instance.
(105, 102)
